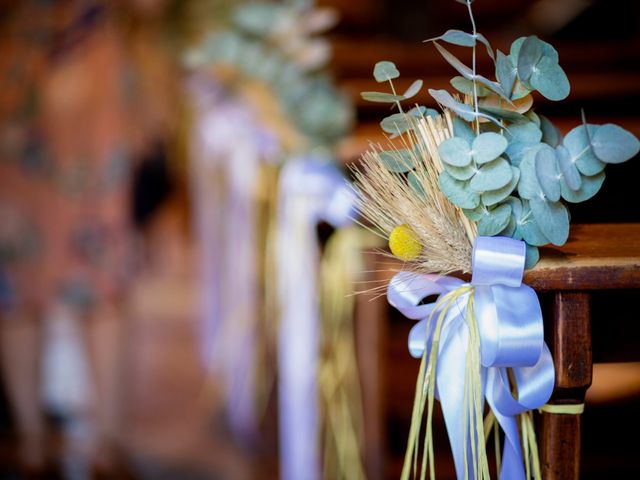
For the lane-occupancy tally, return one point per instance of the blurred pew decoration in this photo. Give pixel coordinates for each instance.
(266, 120)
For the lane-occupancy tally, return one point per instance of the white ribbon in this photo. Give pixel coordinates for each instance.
(310, 191)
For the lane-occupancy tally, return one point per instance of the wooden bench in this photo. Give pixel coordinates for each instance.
(596, 257)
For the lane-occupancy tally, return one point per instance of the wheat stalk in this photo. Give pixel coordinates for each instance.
(387, 200)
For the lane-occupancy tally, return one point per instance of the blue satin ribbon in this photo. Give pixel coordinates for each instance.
(510, 325)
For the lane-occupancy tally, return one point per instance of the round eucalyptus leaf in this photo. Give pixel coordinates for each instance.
(510, 229)
(494, 220)
(381, 97)
(492, 176)
(552, 218)
(413, 89)
(455, 151)
(496, 196)
(531, 233)
(614, 144)
(395, 124)
(570, 173)
(547, 49)
(421, 111)
(527, 132)
(398, 161)
(462, 129)
(505, 72)
(589, 186)
(516, 206)
(488, 146)
(384, 71)
(550, 80)
(534, 118)
(457, 37)
(464, 85)
(464, 111)
(415, 183)
(529, 54)
(461, 173)
(520, 90)
(528, 186)
(474, 214)
(548, 173)
(532, 256)
(458, 192)
(550, 133)
(578, 144)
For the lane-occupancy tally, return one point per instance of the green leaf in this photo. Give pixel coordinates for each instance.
(532, 256)
(476, 214)
(464, 85)
(461, 173)
(486, 43)
(522, 138)
(530, 231)
(395, 124)
(414, 183)
(614, 144)
(528, 186)
(569, 171)
(527, 132)
(510, 229)
(421, 111)
(458, 192)
(550, 133)
(520, 90)
(455, 151)
(495, 220)
(547, 49)
(493, 197)
(505, 73)
(413, 89)
(456, 37)
(578, 144)
(381, 97)
(529, 54)
(492, 176)
(547, 172)
(463, 110)
(552, 218)
(550, 80)
(497, 112)
(398, 161)
(488, 146)
(385, 71)
(462, 69)
(462, 129)
(589, 186)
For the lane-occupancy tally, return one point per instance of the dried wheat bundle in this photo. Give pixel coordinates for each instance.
(430, 233)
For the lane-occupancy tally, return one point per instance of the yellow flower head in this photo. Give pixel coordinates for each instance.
(404, 243)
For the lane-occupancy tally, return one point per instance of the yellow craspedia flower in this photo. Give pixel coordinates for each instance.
(404, 243)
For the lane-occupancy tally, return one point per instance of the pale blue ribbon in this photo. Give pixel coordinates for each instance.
(511, 336)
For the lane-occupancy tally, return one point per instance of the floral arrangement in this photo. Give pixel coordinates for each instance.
(279, 45)
(477, 188)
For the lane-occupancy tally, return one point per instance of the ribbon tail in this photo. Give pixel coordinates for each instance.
(450, 381)
(512, 461)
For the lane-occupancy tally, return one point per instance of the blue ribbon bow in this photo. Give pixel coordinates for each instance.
(510, 325)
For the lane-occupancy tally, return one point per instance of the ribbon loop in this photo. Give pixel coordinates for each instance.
(498, 261)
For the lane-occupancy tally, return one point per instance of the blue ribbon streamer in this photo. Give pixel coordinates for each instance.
(510, 325)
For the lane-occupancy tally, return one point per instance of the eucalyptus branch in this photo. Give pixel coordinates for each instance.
(393, 90)
(473, 67)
